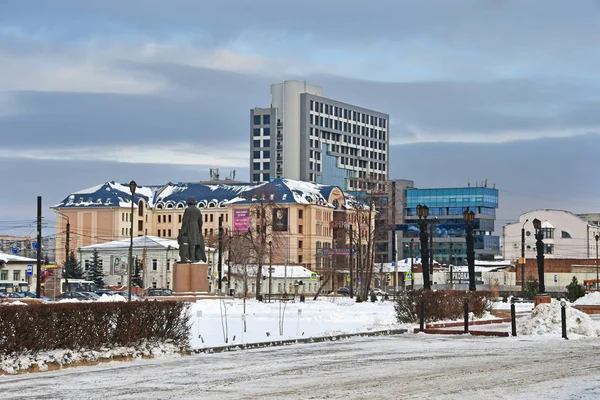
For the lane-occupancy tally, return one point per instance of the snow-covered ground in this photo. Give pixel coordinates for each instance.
(231, 322)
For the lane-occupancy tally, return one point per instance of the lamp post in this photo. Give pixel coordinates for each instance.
(422, 213)
(270, 268)
(451, 265)
(469, 217)
(132, 187)
(523, 258)
(539, 246)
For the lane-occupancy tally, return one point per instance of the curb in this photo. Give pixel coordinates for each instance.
(456, 332)
(288, 342)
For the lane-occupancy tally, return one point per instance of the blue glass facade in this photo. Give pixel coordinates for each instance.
(331, 174)
(445, 221)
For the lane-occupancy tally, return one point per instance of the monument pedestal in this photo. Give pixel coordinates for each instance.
(541, 299)
(190, 279)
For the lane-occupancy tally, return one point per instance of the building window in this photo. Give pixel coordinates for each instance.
(154, 264)
(256, 143)
(168, 265)
(256, 154)
(169, 219)
(257, 120)
(300, 229)
(266, 119)
(141, 208)
(256, 132)
(548, 233)
(548, 248)
(300, 259)
(3, 275)
(158, 232)
(179, 218)
(565, 235)
(266, 131)
(300, 244)
(140, 226)
(169, 233)
(266, 176)
(266, 143)
(266, 154)
(266, 165)
(256, 166)
(211, 217)
(16, 275)
(300, 214)
(255, 177)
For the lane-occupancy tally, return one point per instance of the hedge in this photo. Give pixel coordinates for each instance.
(91, 326)
(440, 304)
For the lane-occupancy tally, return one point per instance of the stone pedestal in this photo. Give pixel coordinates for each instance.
(541, 299)
(190, 279)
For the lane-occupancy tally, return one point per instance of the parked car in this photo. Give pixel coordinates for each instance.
(378, 292)
(2, 295)
(134, 297)
(159, 292)
(72, 295)
(15, 295)
(33, 295)
(91, 295)
(344, 291)
(107, 292)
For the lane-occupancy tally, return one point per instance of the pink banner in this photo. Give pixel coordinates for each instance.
(241, 220)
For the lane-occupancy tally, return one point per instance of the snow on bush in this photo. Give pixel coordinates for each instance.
(111, 299)
(546, 319)
(12, 365)
(590, 299)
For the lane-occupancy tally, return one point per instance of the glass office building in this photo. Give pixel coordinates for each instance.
(446, 223)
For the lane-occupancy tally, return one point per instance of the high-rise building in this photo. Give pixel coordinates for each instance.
(308, 137)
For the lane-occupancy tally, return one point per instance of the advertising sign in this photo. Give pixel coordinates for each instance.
(280, 219)
(241, 220)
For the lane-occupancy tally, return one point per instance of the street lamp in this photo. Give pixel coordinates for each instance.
(422, 213)
(132, 187)
(469, 217)
(523, 258)
(539, 246)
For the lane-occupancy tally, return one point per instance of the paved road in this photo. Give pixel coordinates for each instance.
(405, 366)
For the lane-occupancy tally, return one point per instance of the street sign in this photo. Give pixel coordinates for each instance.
(15, 250)
(393, 263)
(409, 276)
(348, 278)
(34, 245)
(555, 278)
(29, 269)
(314, 276)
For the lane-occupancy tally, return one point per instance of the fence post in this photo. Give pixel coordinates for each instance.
(563, 317)
(422, 315)
(466, 304)
(513, 317)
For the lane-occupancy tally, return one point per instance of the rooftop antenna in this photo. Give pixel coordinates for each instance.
(468, 182)
(214, 174)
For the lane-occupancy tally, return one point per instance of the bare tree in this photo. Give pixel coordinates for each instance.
(267, 222)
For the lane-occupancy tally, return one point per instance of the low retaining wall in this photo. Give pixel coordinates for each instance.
(588, 309)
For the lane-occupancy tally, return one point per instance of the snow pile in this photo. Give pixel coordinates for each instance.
(590, 299)
(13, 303)
(111, 299)
(546, 319)
(42, 360)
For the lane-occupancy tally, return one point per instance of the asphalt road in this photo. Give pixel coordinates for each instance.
(405, 366)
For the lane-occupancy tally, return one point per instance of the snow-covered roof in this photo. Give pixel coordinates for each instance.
(282, 190)
(13, 258)
(279, 271)
(140, 242)
(109, 194)
(175, 195)
(547, 224)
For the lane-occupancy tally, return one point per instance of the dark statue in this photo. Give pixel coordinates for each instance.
(190, 239)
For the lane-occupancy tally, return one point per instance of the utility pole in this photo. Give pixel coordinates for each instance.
(38, 281)
(412, 272)
(220, 259)
(350, 258)
(67, 241)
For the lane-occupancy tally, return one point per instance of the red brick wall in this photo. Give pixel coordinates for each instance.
(555, 265)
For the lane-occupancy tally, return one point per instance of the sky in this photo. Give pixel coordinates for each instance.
(157, 91)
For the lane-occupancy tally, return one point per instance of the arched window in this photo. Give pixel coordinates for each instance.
(141, 208)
